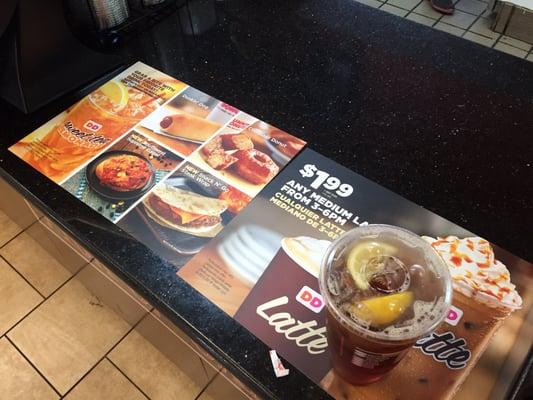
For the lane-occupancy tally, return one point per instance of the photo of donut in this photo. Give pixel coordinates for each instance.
(248, 157)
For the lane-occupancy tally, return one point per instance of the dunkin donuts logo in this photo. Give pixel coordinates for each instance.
(445, 348)
(81, 138)
(92, 126)
(454, 315)
(310, 299)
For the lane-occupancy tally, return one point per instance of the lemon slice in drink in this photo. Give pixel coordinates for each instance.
(359, 257)
(117, 93)
(384, 310)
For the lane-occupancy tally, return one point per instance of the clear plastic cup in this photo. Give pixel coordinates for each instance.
(384, 289)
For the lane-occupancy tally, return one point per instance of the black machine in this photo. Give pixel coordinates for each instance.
(40, 59)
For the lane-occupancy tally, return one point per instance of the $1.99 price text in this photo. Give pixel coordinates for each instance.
(325, 180)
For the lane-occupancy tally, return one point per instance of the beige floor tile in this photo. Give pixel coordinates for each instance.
(105, 382)
(474, 37)
(113, 292)
(426, 10)
(155, 374)
(530, 57)
(421, 19)
(220, 389)
(405, 4)
(9, 228)
(371, 3)
(515, 43)
(441, 26)
(13, 204)
(59, 244)
(29, 258)
(482, 27)
(400, 12)
(175, 344)
(459, 19)
(18, 379)
(66, 237)
(68, 334)
(17, 298)
(475, 7)
(510, 50)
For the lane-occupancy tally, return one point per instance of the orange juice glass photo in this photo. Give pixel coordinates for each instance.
(68, 141)
(93, 123)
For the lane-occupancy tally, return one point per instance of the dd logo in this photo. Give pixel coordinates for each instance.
(92, 126)
(454, 315)
(310, 299)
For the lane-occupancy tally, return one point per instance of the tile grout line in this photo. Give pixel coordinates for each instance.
(24, 278)
(206, 386)
(466, 30)
(32, 365)
(19, 233)
(470, 26)
(42, 302)
(126, 376)
(104, 356)
(71, 247)
(411, 11)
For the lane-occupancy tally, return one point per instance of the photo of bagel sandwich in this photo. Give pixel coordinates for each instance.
(185, 211)
(188, 126)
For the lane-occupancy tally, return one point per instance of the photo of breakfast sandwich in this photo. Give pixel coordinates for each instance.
(187, 121)
(179, 216)
(185, 211)
(112, 182)
(250, 157)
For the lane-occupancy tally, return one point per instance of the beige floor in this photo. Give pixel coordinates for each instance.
(58, 340)
(471, 20)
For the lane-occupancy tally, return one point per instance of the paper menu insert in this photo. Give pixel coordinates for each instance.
(262, 270)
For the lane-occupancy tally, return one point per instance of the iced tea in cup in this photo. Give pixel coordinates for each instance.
(384, 289)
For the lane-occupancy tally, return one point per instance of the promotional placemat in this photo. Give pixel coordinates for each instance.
(263, 268)
(168, 163)
(245, 216)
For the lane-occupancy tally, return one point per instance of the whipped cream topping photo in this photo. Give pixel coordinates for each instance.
(475, 271)
(306, 252)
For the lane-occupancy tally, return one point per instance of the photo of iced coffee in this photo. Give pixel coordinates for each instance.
(482, 287)
(384, 289)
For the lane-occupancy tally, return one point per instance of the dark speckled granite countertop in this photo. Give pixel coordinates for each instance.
(442, 121)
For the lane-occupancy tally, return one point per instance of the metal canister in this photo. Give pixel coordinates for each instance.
(109, 13)
(148, 3)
